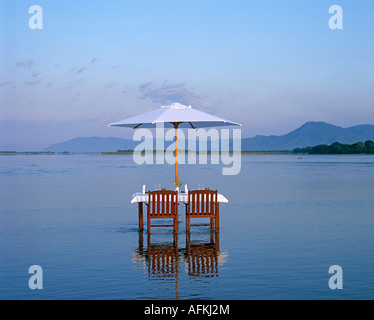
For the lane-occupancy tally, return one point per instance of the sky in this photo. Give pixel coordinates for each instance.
(270, 65)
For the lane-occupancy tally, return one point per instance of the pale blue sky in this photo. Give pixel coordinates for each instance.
(270, 65)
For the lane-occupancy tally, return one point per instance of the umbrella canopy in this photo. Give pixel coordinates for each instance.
(185, 116)
(176, 116)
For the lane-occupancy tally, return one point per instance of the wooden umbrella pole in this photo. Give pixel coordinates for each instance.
(176, 152)
(176, 124)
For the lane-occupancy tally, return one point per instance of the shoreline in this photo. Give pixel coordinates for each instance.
(31, 153)
(131, 152)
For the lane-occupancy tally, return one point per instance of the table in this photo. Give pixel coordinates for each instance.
(139, 198)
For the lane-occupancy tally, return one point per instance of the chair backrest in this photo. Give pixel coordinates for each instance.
(163, 203)
(202, 202)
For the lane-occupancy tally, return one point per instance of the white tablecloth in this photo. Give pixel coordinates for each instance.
(182, 197)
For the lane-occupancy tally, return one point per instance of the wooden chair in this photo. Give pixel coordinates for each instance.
(163, 204)
(202, 204)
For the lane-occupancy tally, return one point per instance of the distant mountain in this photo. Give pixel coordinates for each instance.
(92, 144)
(309, 134)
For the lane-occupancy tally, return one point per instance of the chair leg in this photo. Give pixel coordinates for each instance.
(217, 218)
(188, 224)
(187, 220)
(176, 224)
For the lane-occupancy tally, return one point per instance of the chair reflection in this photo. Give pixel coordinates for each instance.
(161, 259)
(201, 257)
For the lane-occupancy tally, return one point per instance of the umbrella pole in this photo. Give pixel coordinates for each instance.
(176, 124)
(176, 152)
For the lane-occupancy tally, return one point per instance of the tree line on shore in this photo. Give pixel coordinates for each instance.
(366, 147)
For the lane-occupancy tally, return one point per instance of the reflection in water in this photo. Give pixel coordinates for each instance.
(202, 257)
(162, 259)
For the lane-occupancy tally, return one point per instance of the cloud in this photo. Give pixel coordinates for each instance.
(168, 93)
(75, 96)
(24, 64)
(110, 84)
(34, 74)
(81, 69)
(33, 82)
(4, 83)
(125, 89)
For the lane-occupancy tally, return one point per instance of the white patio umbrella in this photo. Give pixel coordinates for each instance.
(176, 116)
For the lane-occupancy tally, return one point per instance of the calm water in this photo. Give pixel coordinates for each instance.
(287, 222)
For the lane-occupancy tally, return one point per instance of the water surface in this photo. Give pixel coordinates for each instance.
(287, 221)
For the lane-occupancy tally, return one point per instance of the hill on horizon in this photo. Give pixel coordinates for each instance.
(308, 135)
(92, 144)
